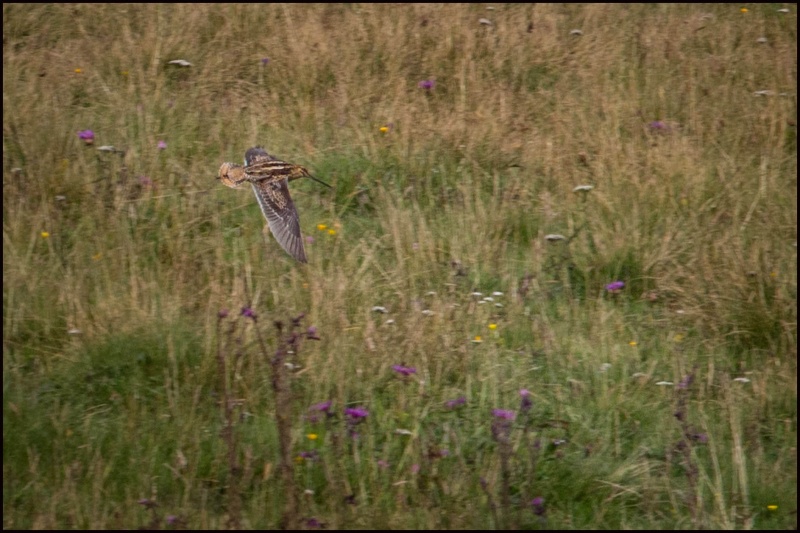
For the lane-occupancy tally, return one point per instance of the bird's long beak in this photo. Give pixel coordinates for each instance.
(320, 181)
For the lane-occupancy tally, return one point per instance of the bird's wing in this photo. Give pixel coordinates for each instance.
(279, 210)
(255, 155)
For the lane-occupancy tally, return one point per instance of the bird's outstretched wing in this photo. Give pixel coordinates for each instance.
(256, 154)
(278, 208)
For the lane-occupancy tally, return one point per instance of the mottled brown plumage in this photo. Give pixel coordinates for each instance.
(270, 179)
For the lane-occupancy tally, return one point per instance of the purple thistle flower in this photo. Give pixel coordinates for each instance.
(264, 61)
(223, 313)
(309, 239)
(313, 523)
(147, 503)
(615, 286)
(248, 313)
(356, 413)
(461, 400)
(86, 136)
(162, 145)
(686, 381)
(505, 414)
(526, 403)
(415, 468)
(657, 125)
(538, 505)
(322, 406)
(171, 519)
(311, 333)
(427, 84)
(404, 370)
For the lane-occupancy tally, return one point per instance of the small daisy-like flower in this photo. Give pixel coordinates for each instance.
(404, 370)
(504, 414)
(477, 339)
(493, 326)
(664, 384)
(322, 227)
(162, 145)
(583, 188)
(45, 234)
(180, 63)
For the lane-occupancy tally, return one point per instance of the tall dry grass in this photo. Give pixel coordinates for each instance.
(439, 193)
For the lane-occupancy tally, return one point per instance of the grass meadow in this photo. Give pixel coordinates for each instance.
(454, 355)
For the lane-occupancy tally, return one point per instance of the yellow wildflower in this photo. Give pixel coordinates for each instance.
(322, 227)
(678, 337)
(97, 256)
(312, 436)
(331, 232)
(298, 459)
(744, 10)
(45, 235)
(493, 326)
(477, 339)
(772, 507)
(384, 129)
(632, 343)
(78, 71)
(124, 72)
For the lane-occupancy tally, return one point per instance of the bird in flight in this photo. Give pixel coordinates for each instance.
(270, 179)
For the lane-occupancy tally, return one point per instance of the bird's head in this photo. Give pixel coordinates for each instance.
(231, 174)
